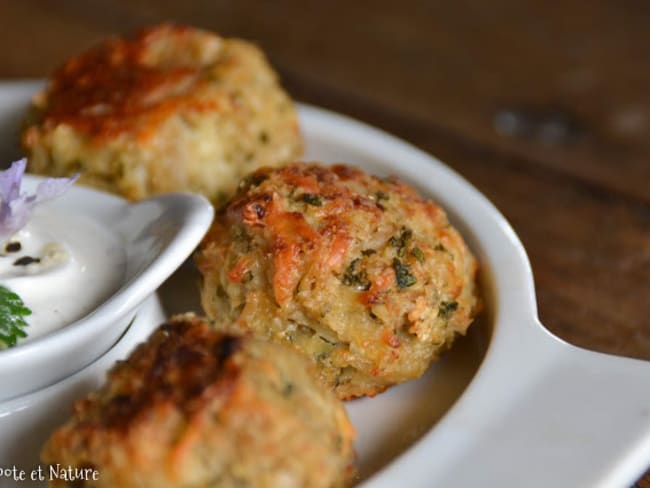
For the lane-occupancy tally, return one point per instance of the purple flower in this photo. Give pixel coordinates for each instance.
(16, 208)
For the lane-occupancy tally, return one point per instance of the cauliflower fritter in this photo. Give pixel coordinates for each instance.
(193, 407)
(361, 274)
(171, 109)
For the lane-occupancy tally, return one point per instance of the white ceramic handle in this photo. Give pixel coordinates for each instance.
(583, 420)
(540, 413)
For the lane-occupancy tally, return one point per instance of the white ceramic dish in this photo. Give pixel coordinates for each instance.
(510, 405)
(155, 237)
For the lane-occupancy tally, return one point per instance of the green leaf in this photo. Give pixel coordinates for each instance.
(12, 321)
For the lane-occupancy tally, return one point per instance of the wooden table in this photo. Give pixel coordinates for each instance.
(544, 106)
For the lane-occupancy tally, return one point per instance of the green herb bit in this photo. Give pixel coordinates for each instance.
(446, 309)
(382, 195)
(418, 254)
(403, 275)
(368, 252)
(402, 241)
(440, 247)
(12, 321)
(354, 276)
(311, 199)
(288, 389)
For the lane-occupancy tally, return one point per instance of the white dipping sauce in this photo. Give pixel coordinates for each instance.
(81, 265)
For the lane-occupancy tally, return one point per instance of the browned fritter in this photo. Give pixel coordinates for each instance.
(193, 407)
(171, 108)
(362, 274)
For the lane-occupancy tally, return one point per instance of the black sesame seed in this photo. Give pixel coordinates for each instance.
(13, 246)
(26, 260)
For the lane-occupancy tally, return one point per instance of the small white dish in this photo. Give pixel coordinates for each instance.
(153, 238)
(510, 405)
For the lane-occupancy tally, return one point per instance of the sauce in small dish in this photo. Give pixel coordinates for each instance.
(62, 267)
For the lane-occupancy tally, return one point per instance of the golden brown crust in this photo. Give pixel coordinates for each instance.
(171, 108)
(184, 364)
(362, 274)
(195, 407)
(113, 88)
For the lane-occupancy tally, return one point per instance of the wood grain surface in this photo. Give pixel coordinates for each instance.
(544, 106)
